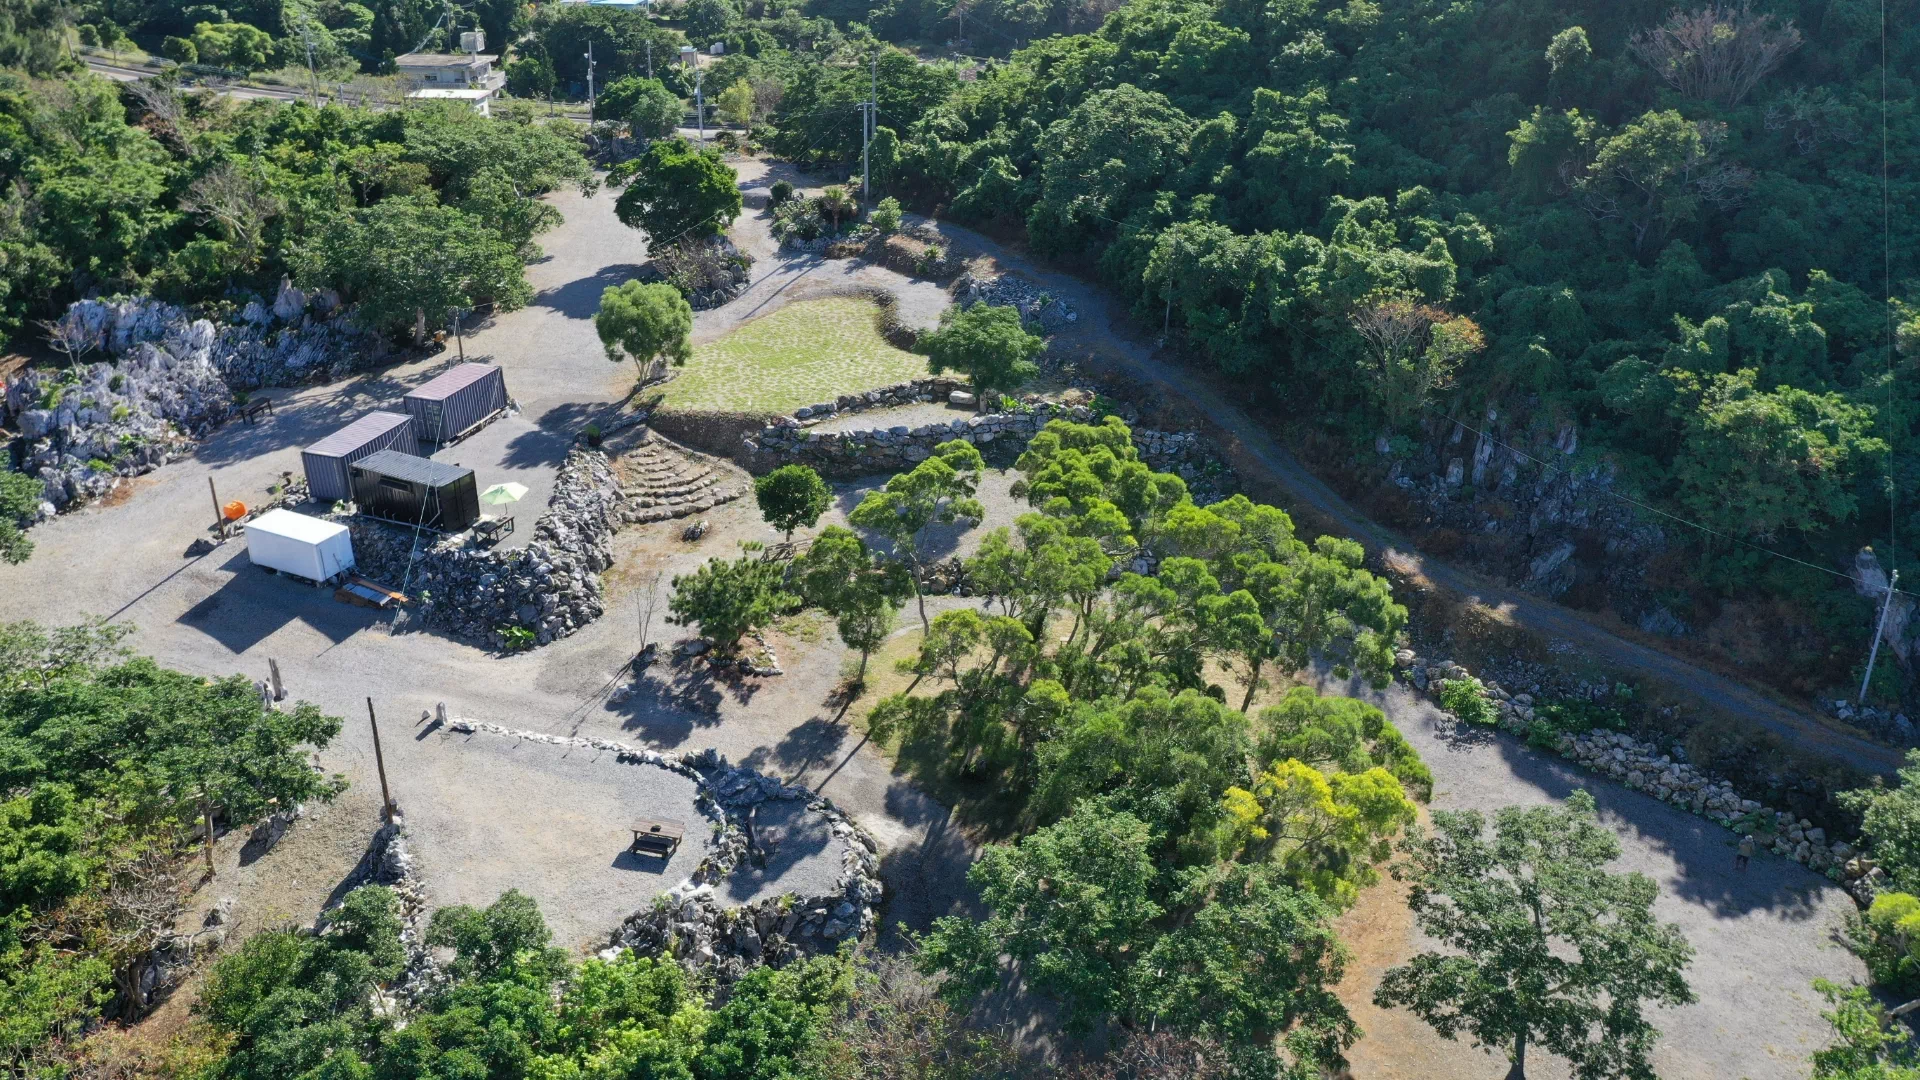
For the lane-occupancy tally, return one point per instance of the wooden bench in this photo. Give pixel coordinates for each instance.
(659, 838)
(255, 407)
(491, 529)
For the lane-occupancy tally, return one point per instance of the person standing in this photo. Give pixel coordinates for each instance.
(1744, 854)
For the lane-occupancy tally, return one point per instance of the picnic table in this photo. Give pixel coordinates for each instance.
(252, 410)
(661, 838)
(491, 529)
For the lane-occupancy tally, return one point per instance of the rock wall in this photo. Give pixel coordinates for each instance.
(872, 450)
(1642, 766)
(687, 922)
(551, 587)
(167, 379)
(1526, 505)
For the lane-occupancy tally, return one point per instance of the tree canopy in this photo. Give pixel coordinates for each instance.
(988, 344)
(647, 322)
(677, 194)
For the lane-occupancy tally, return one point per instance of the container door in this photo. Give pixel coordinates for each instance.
(431, 419)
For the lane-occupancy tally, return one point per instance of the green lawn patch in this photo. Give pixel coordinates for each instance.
(803, 354)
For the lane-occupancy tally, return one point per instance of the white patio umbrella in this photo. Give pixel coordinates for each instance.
(501, 494)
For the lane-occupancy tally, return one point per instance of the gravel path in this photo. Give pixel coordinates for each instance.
(909, 415)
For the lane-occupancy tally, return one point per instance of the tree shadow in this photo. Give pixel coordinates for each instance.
(788, 834)
(669, 702)
(580, 298)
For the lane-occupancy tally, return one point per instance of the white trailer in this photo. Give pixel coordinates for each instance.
(300, 546)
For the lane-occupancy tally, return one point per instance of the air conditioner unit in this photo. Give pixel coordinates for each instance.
(473, 41)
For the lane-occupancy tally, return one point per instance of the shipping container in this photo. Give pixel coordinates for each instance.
(455, 403)
(327, 460)
(416, 491)
(298, 545)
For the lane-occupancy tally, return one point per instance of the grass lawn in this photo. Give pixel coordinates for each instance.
(803, 354)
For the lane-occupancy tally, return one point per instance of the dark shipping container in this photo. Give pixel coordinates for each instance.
(416, 491)
(455, 403)
(326, 461)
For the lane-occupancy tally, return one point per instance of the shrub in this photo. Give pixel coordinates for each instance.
(781, 192)
(121, 412)
(89, 34)
(518, 637)
(798, 218)
(1554, 719)
(1887, 937)
(931, 262)
(1467, 700)
(885, 218)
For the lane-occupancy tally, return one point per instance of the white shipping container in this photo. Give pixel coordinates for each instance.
(299, 545)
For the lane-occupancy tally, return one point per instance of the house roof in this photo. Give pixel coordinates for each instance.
(456, 378)
(426, 59)
(417, 470)
(359, 433)
(307, 530)
(451, 93)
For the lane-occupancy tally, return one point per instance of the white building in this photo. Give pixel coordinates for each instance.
(468, 77)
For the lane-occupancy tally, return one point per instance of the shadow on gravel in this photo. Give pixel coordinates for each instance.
(306, 422)
(643, 864)
(253, 605)
(580, 298)
(813, 742)
(787, 835)
(669, 703)
(925, 878)
(1702, 851)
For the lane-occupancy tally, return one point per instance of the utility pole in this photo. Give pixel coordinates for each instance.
(649, 59)
(306, 37)
(380, 763)
(589, 80)
(870, 119)
(699, 102)
(1878, 629)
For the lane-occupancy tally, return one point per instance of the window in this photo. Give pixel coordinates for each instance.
(391, 484)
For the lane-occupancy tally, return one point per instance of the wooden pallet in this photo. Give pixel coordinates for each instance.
(363, 593)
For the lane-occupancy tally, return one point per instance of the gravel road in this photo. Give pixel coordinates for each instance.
(1760, 937)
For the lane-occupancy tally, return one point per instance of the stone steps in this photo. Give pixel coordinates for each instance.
(661, 484)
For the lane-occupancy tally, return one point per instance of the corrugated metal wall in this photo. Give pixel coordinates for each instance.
(444, 417)
(328, 477)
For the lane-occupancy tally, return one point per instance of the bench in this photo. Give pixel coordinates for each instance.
(254, 408)
(491, 529)
(658, 838)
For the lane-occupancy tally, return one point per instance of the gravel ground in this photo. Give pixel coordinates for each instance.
(550, 821)
(1760, 938)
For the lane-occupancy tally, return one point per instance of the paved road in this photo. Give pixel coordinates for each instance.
(1097, 342)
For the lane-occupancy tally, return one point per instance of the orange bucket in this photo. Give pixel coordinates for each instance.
(234, 511)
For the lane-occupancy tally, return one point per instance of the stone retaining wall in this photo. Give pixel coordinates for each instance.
(1642, 766)
(871, 450)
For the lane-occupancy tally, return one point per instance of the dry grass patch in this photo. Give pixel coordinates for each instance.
(803, 354)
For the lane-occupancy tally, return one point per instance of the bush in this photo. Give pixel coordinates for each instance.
(179, 50)
(885, 218)
(798, 218)
(1467, 700)
(1887, 937)
(932, 261)
(1552, 720)
(781, 193)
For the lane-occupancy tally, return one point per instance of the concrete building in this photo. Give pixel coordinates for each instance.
(468, 77)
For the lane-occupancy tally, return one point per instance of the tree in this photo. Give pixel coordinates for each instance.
(1073, 903)
(988, 344)
(707, 21)
(885, 218)
(727, 600)
(1410, 351)
(839, 575)
(736, 105)
(939, 491)
(1549, 948)
(405, 260)
(834, 202)
(20, 496)
(792, 497)
(1718, 53)
(647, 322)
(679, 194)
(1654, 174)
(1890, 819)
(648, 107)
(1865, 1046)
(530, 77)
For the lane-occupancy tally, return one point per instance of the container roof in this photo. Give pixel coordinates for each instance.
(418, 470)
(359, 433)
(457, 378)
(307, 530)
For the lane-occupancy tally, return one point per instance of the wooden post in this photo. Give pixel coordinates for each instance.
(380, 763)
(273, 672)
(219, 519)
